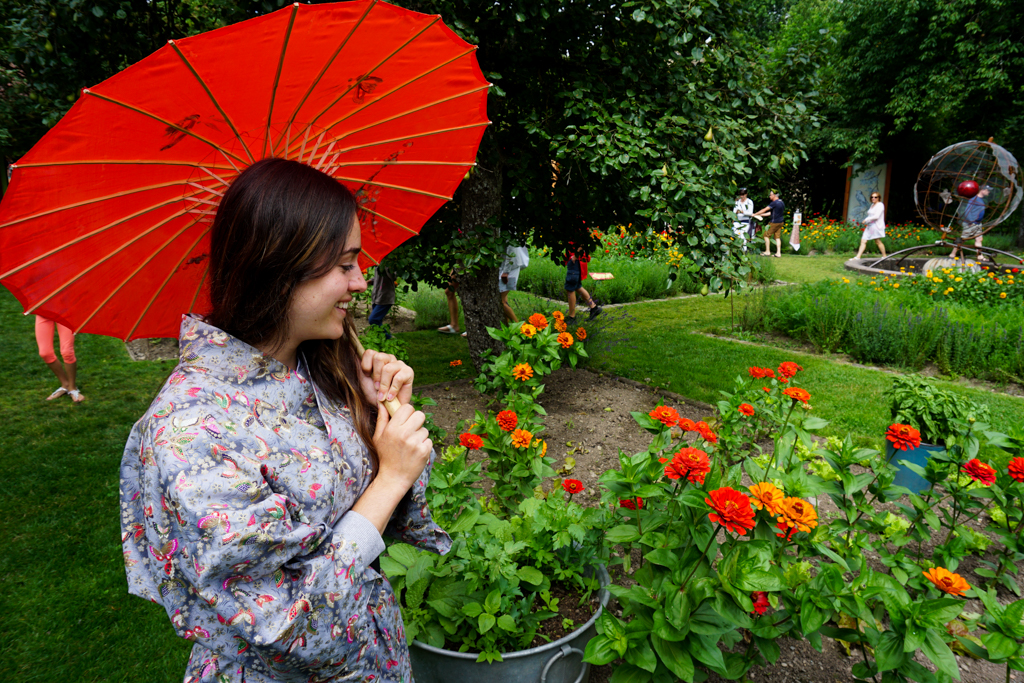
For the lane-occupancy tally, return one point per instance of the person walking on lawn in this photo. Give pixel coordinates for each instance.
(516, 258)
(65, 373)
(575, 274)
(777, 210)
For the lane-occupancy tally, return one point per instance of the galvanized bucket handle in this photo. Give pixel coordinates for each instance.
(564, 651)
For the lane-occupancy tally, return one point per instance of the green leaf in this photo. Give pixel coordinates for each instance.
(759, 580)
(640, 654)
(404, 553)
(493, 602)
(674, 656)
(507, 623)
(627, 673)
(889, 651)
(473, 609)
(530, 575)
(942, 657)
(600, 651)
(705, 649)
(624, 533)
(486, 621)
(999, 646)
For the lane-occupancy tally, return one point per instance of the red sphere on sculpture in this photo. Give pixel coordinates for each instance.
(967, 188)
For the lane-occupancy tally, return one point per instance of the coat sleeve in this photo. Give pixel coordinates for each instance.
(243, 571)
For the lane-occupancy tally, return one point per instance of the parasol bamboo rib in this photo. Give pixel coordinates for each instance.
(384, 96)
(118, 162)
(424, 134)
(394, 187)
(199, 288)
(389, 220)
(163, 284)
(370, 71)
(277, 76)
(213, 99)
(323, 71)
(369, 258)
(404, 113)
(137, 110)
(82, 273)
(135, 272)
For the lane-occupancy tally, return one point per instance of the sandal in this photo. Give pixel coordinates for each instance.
(76, 396)
(464, 334)
(60, 391)
(447, 329)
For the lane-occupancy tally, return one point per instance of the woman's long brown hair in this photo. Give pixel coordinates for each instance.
(282, 223)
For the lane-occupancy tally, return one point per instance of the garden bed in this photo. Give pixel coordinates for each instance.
(589, 419)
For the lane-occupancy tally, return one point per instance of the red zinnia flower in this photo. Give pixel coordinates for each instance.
(1016, 469)
(787, 531)
(507, 420)
(631, 504)
(761, 603)
(572, 486)
(705, 432)
(789, 369)
(979, 471)
(731, 509)
(687, 425)
(797, 394)
(691, 463)
(761, 373)
(746, 409)
(903, 437)
(665, 415)
(471, 441)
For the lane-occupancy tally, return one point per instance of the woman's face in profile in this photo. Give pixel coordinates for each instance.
(319, 307)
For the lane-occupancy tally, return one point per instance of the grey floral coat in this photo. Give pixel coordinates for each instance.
(236, 495)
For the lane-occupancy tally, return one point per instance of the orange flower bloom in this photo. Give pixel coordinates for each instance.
(560, 326)
(471, 441)
(507, 420)
(761, 373)
(768, 497)
(947, 582)
(798, 513)
(522, 371)
(543, 445)
(581, 333)
(665, 415)
(538, 321)
(566, 340)
(979, 471)
(528, 330)
(558, 315)
(746, 409)
(1016, 469)
(797, 394)
(687, 425)
(705, 432)
(903, 437)
(789, 369)
(521, 438)
(731, 509)
(572, 486)
(787, 533)
(691, 463)
(455, 363)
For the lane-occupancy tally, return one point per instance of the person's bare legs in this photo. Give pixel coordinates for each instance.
(62, 376)
(767, 247)
(453, 309)
(860, 252)
(510, 315)
(572, 304)
(778, 247)
(881, 247)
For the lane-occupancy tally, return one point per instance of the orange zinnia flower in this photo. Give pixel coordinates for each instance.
(789, 369)
(471, 441)
(543, 445)
(558, 315)
(903, 437)
(455, 363)
(581, 333)
(665, 415)
(746, 409)
(521, 438)
(560, 326)
(572, 486)
(768, 497)
(522, 371)
(797, 394)
(705, 432)
(761, 373)
(538, 321)
(687, 425)
(1016, 469)
(947, 582)
(507, 420)
(691, 463)
(566, 340)
(798, 513)
(528, 330)
(731, 509)
(979, 471)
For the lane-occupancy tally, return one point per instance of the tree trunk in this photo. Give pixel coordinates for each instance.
(1019, 242)
(478, 290)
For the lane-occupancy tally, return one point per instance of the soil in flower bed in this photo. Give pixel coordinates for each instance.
(589, 419)
(569, 607)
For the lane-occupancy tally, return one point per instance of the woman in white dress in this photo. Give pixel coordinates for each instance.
(874, 225)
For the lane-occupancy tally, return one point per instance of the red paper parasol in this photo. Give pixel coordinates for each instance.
(105, 225)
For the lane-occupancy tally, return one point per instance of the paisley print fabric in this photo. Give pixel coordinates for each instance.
(236, 495)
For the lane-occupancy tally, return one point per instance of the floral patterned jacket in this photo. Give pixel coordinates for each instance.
(236, 495)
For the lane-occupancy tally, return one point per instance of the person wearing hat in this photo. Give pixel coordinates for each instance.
(744, 209)
(777, 210)
(970, 218)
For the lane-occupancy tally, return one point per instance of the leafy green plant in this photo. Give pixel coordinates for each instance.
(376, 337)
(915, 401)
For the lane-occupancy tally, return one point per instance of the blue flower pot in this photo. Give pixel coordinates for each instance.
(919, 456)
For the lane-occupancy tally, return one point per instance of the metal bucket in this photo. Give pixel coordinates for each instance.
(560, 661)
(919, 456)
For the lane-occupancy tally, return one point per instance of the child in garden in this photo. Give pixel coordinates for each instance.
(575, 274)
(774, 229)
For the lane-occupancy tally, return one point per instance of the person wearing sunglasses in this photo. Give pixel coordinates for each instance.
(874, 225)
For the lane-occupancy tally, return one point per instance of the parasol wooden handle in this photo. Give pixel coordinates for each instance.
(393, 405)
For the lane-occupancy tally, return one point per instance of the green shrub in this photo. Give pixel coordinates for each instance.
(431, 307)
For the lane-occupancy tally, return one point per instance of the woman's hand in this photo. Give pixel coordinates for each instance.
(403, 446)
(385, 377)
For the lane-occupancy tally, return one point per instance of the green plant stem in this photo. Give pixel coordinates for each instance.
(864, 652)
(1020, 527)
(701, 559)
(775, 450)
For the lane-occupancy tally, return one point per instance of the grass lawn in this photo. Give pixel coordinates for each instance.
(792, 268)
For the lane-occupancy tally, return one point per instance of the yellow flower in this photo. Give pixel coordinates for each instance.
(766, 496)
(896, 285)
(958, 279)
(798, 513)
(1002, 295)
(528, 330)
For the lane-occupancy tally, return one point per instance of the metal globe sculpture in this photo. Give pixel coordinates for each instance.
(973, 172)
